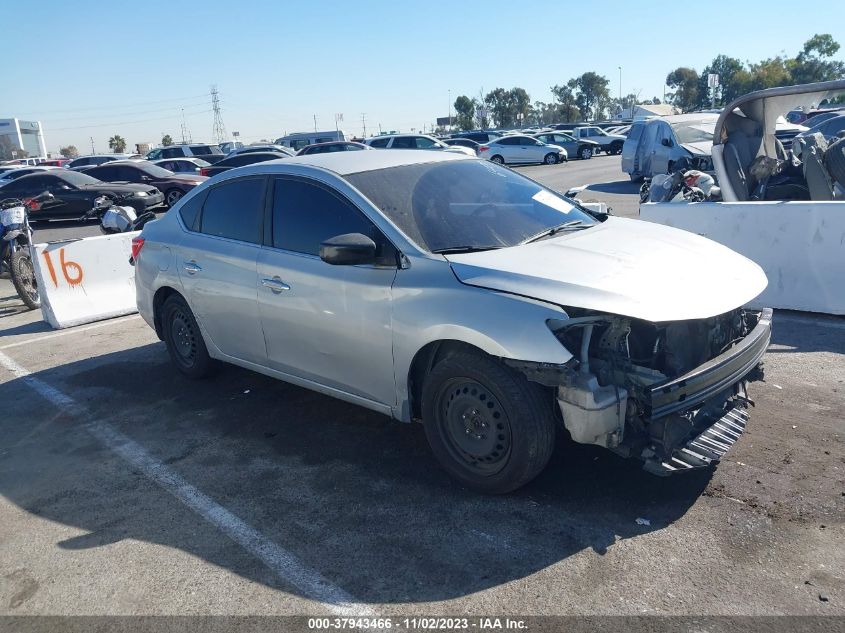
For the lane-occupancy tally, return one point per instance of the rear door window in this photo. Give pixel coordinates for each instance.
(234, 210)
(172, 152)
(402, 142)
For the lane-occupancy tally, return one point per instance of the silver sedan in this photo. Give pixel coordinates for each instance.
(514, 149)
(434, 287)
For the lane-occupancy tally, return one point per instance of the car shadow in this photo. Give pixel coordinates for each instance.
(806, 332)
(353, 495)
(620, 187)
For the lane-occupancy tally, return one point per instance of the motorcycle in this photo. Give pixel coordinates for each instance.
(116, 219)
(682, 185)
(15, 243)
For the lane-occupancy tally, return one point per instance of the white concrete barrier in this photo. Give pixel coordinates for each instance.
(85, 280)
(800, 245)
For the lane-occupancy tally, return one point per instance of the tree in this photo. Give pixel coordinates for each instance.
(520, 103)
(117, 144)
(69, 152)
(501, 106)
(465, 112)
(166, 140)
(566, 98)
(684, 81)
(769, 73)
(809, 65)
(592, 95)
(6, 148)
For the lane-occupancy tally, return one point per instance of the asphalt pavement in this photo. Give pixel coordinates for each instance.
(127, 489)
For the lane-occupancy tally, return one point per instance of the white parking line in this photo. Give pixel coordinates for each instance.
(280, 561)
(74, 330)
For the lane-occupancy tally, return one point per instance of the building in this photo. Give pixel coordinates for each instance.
(21, 136)
(646, 111)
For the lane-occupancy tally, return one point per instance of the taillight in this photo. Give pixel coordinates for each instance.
(483, 148)
(203, 172)
(137, 245)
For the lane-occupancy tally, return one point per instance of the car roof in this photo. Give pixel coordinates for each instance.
(345, 163)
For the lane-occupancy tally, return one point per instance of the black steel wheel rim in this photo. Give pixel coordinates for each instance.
(474, 426)
(183, 337)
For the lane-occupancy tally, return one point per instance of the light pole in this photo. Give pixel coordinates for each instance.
(449, 118)
(622, 105)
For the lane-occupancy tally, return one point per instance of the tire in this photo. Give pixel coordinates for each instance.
(550, 159)
(616, 148)
(172, 196)
(184, 340)
(497, 400)
(498, 160)
(585, 153)
(23, 278)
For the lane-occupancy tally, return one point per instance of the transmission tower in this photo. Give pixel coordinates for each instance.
(219, 134)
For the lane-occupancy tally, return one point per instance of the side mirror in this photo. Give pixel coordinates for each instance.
(44, 197)
(666, 142)
(349, 249)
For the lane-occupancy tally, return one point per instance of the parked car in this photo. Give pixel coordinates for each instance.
(414, 141)
(610, 143)
(514, 149)
(442, 288)
(828, 126)
(240, 160)
(479, 137)
(182, 165)
(209, 153)
(653, 146)
(583, 149)
(11, 174)
(228, 146)
(298, 140)
(56, 162)
(173, 185)
(336, 146)
(270, 147)
(74, 193)
(463, 142)
(86, 162)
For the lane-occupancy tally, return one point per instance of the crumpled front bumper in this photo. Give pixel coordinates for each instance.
(705, 447)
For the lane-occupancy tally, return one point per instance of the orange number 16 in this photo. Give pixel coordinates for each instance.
(71, 270)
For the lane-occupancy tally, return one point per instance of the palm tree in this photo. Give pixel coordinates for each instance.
(117, 144)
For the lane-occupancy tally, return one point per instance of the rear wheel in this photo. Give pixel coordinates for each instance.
(488, 426)
(184, 340)
(498, 160)
(550, 159)
(616, 148)
(23, 278)
(585, 152)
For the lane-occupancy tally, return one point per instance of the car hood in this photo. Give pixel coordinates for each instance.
(699, 148)
(186, 179)
(626, 267)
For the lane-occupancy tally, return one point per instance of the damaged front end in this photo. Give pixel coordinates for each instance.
(672, 394)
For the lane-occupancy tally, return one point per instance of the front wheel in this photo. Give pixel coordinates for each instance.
(488, 426)
(550, 159)
(173, 196)
(23, 278)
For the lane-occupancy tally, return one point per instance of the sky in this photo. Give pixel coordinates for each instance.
(89, 69)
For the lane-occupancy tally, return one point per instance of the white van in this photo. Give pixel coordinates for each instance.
(298, 140)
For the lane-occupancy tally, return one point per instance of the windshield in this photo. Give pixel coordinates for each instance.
(470, 204)
(694, 131)
(76, 178)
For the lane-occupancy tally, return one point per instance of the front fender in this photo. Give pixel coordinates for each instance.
(430, 304)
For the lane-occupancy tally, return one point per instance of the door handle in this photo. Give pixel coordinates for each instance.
(275, 284)
(192, 267)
